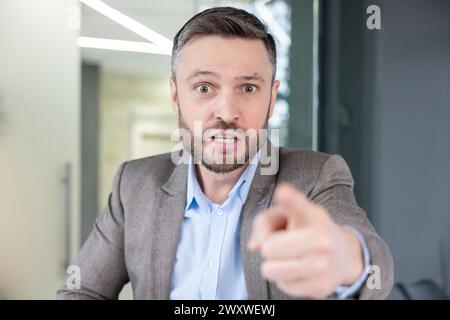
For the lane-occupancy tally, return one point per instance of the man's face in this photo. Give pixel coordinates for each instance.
(224, 86)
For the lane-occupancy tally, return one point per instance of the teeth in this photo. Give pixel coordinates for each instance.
(222, 139)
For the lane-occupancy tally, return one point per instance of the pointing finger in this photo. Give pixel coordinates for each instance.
(265, 224)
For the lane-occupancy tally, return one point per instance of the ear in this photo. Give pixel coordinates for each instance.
(174, 95)
(275, 86)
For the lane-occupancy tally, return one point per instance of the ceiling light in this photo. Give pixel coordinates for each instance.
(121, 45)
(129, 23)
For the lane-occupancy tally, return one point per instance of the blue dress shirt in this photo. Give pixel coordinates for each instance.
(208, 262)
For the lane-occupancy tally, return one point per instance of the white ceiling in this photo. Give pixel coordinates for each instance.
(163, 16)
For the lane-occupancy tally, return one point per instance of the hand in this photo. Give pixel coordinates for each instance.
(304, 251)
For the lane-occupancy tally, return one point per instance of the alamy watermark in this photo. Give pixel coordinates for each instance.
(73, 277)
(373, 21)
(373, 281)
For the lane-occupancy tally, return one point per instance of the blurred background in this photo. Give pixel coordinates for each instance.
(84, 86)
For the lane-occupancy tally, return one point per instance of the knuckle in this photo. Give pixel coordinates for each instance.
(266, 249)
(326, 245)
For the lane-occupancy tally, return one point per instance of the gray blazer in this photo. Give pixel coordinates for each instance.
(135, 236)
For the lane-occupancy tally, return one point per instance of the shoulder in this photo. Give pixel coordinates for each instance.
(153, 169)
(304, 167)
(302, 159)
(305, 156)
(152, 163)
(309, 158)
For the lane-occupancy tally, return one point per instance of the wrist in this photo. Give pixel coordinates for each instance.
(355, 268)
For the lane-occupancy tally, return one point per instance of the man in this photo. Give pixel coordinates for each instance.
(216, 225)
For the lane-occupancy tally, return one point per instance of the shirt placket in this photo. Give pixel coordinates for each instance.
(210, 277)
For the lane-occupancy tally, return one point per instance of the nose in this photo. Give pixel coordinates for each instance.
(226, 108)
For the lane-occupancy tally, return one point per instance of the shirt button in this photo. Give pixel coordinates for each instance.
(219, 212)
(211, 263)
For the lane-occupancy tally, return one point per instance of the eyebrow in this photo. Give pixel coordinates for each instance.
(197, 73)
(255, 76)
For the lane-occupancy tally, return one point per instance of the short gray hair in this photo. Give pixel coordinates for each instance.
(227, 22)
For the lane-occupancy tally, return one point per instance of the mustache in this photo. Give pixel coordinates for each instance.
(225, 126)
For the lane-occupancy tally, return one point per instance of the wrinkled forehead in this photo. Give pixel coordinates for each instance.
(226, 58)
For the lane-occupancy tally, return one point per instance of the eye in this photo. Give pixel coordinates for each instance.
(203, 88)
(249, 88)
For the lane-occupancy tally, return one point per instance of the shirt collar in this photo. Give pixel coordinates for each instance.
(196, 197)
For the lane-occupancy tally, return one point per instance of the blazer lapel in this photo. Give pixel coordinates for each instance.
(259, 198)
(171, 201)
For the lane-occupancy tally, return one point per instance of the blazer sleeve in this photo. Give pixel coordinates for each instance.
(101, 260)
(334, 191)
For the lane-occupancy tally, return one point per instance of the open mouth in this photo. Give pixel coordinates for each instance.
(224, 139)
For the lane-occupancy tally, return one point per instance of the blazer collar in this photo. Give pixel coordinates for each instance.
(178, 178)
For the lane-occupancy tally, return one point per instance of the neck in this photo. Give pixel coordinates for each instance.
(217, 186)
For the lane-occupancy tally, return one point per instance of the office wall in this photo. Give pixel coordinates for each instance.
(39, 89)
(386, 108)
(90, 110)
(128, 102)
(125, 99)
(412, 140)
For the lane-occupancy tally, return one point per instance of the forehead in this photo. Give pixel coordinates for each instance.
(225, 56)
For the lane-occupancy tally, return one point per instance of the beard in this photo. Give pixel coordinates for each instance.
(227, 161)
